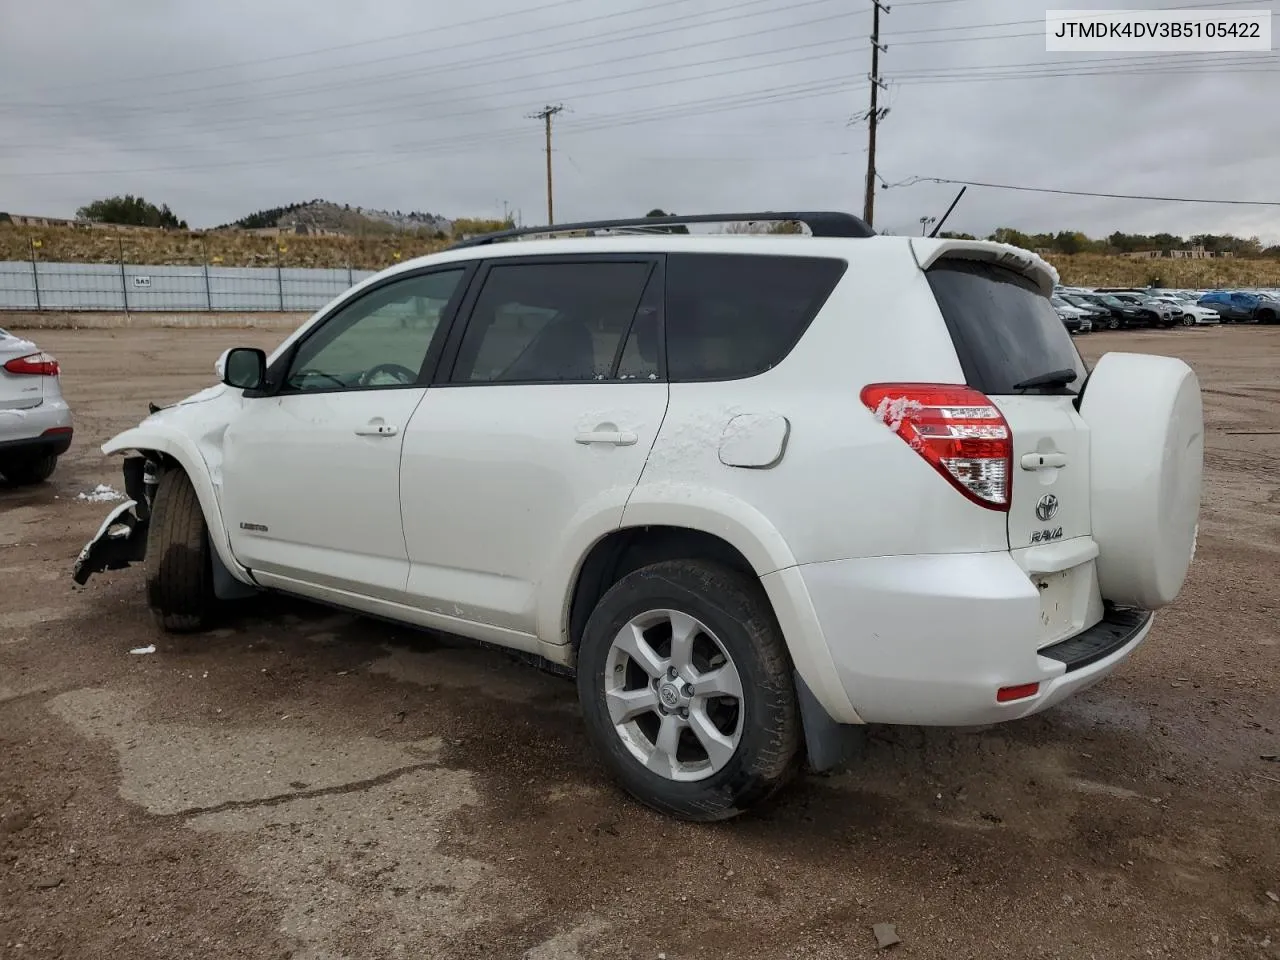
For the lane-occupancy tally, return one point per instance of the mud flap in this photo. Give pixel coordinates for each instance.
(120, 541)
(828, 744)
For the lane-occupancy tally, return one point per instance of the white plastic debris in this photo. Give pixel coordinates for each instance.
(150, 648)
(101, 494)
(892, 411)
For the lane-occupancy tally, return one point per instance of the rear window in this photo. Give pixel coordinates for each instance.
(733, 315)
(1004, 331)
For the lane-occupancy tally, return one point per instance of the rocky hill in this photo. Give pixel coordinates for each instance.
(324, 217)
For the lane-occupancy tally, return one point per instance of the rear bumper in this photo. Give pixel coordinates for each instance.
(929, 640)
(28, 431)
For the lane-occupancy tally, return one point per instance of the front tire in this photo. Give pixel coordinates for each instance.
(687, 692)
(30, 470)
(179, 565)
(1113, 323)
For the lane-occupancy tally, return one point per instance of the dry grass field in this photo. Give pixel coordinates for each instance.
(230, 248)
(233, 248)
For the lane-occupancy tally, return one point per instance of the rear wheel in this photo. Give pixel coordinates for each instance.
(1188, 320)
(1113, 323)
(1266, 316)
(686, 690)
(30, 469)
(179, 564)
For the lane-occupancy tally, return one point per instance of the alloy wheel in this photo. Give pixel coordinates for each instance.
(674, 695)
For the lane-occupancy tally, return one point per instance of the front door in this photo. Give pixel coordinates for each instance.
(534, 436)
(311, 473)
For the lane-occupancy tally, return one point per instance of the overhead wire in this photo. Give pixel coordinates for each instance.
(912, 181)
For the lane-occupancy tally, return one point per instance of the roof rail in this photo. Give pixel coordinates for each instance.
(821, 223)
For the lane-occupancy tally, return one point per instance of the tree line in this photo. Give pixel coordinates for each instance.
(1073, 241)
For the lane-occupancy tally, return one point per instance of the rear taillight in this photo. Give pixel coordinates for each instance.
(34, 364)
(958, 430)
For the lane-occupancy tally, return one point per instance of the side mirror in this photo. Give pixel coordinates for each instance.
(244, 368)
(220, 366)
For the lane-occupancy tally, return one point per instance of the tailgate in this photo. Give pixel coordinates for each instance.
(1013, 348)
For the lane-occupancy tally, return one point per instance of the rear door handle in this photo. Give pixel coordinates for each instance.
(377, 429)
(1037, 461)
(617, 438)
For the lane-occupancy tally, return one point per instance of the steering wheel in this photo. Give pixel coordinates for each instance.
(402, 374)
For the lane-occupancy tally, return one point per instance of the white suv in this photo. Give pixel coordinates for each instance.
(753, 491)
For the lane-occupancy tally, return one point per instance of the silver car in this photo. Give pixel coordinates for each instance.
(35, 421)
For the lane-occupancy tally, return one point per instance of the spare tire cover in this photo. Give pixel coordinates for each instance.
(1146, 427)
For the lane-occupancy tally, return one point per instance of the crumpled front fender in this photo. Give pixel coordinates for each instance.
(154, 435)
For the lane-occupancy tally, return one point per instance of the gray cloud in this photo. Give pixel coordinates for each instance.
(692, 105)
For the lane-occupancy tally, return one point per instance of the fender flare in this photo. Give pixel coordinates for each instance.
(174, 444)
(742, 526)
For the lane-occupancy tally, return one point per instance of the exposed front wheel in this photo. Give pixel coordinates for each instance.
(686, 689)
(179, 565)
(1113, 323)
(27, 470)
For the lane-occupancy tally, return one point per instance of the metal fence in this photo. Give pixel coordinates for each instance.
(37, 285)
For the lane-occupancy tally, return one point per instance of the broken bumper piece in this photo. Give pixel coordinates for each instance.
(120, 541)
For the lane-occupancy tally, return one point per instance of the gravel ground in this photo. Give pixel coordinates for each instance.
(303, 783)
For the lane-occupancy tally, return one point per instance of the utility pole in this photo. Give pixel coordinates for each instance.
(545, 115)
(874, 114)
(924, 224)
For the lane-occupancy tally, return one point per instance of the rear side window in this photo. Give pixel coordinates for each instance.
(735, 315)
(1004, 331)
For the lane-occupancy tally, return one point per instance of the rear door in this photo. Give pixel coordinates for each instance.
(1006, 335)
(531, 439)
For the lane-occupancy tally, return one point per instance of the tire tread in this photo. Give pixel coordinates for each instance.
(179, 575)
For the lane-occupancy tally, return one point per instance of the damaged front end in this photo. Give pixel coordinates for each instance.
(122, 538)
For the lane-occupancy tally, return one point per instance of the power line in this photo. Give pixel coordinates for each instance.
(486, 140)
(400, 118)
(1020, 23)
(451, 66)
(315, 51)
(912, 181)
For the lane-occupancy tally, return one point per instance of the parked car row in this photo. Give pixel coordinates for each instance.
(1082, 309)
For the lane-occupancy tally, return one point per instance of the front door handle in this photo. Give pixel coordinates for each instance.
(1038, 461)
(615, 437)
(376, 428)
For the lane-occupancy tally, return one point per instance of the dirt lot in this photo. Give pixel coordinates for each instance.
(309, 784)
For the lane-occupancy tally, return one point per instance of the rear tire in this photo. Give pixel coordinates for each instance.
(625, 687)
(1267, 316)
(1188, 321)
(179, 565)
(1113, 323)
(29, 470)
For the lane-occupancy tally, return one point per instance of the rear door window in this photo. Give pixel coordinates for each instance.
(559, 322)
(1004, 331)
(730, 316)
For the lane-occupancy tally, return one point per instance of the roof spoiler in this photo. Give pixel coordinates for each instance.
(928, 251)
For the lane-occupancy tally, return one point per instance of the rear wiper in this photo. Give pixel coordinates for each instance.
(1054, 378)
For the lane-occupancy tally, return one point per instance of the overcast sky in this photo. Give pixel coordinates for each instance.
(222, 108)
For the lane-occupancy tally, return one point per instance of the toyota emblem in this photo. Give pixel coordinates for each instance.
(1047, 507)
